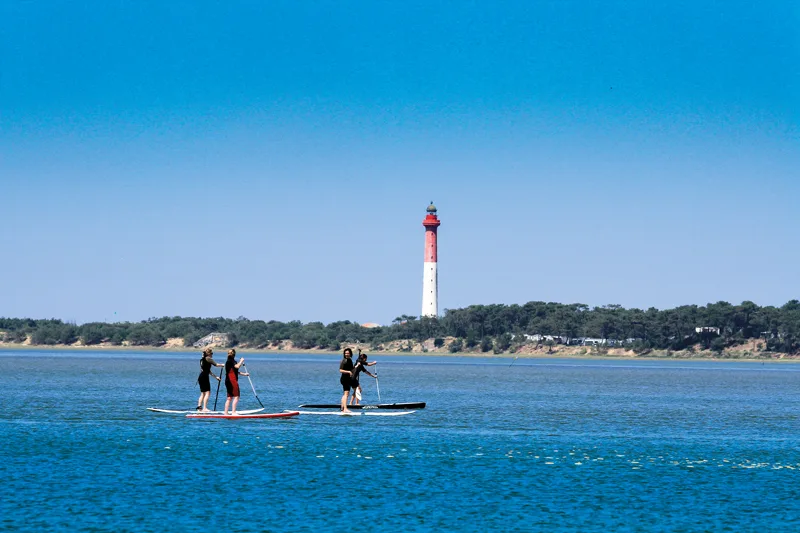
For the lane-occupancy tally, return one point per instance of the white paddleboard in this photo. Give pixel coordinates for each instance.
(194, 412)
(357, 413)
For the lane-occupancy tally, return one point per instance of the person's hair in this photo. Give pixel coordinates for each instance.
(344, 353)
(231, 353)
(207, 351)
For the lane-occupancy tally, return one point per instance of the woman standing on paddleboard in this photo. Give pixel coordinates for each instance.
(346, 376)
(359, 367)
(232, 380)
(203, 379)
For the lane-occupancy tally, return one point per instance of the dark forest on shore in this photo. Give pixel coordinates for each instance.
(498, 328)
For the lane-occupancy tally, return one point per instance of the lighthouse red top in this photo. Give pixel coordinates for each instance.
(431, 222)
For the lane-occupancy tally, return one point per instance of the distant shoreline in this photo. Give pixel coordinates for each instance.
(718, 331)
(652, 356)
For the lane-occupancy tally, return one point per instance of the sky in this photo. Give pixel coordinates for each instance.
(274, 160)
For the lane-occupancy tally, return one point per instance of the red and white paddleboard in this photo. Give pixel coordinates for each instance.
(245, 417)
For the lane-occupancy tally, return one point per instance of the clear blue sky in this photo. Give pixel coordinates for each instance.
(274, 159)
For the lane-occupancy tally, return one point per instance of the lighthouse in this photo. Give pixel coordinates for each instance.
(430, 276)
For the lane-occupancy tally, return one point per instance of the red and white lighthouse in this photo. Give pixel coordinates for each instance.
(430, 277)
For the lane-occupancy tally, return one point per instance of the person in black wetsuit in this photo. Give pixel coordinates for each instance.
(346, 376)
(203, 379)
(232, 380)
(359, 367)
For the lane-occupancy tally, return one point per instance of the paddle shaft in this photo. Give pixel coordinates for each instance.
(218, 384)
(377, 385)
(251, 386)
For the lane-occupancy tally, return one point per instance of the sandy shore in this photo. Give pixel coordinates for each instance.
(560, 354)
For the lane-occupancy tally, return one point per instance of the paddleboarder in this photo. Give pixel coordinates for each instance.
(346, 376)
(206, 362)
(232, 381)
(359, 367)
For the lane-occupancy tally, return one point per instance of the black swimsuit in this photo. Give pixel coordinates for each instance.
(205, 370)
(346, 379)
(359, 366)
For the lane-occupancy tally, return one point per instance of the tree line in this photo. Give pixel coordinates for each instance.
(480, 327)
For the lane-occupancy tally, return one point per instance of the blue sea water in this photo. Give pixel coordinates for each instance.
(544, 445)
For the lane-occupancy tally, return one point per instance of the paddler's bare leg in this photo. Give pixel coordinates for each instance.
(227, 404)
(206, 395)
(235, 403)
(345, 394)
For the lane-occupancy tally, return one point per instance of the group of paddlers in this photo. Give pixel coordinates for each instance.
(349, 373)
(232, 373)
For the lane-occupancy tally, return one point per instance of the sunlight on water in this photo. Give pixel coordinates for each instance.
(545, 447)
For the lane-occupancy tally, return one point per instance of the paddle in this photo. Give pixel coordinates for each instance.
(377, 385)
(251, 385)
(218, 384)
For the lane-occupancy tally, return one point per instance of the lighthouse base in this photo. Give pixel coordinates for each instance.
(430, 290)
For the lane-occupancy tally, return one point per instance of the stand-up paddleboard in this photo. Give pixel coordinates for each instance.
(174, 412)
(355, 413)
(285, 414)
(410, 405)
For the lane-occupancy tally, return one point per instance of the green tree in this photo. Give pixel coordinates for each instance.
(17, 336)
(91, 334)
(502, 342)
(471, 340)
(718, 344)
(456, 346)
(233, 339)
(486, 344)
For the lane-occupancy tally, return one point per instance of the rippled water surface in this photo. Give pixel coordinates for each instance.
(548, 445)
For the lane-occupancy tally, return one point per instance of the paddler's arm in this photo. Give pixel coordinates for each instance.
(367, 372)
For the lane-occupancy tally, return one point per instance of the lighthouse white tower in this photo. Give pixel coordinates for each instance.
(430, 277)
